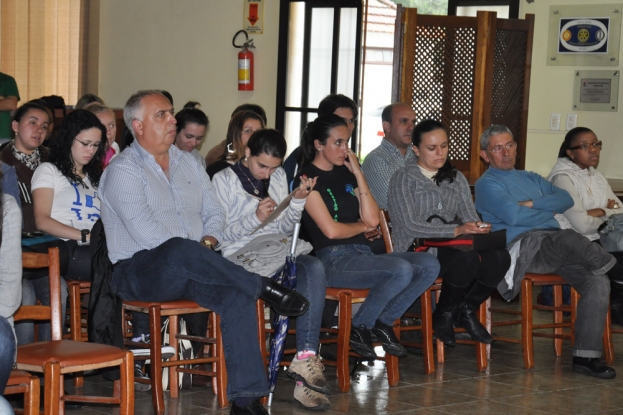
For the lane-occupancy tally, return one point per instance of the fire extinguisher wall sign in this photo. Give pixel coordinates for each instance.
(245, 62)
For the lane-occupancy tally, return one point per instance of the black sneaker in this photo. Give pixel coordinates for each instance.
(361, 342)
(388, 338)
(138, 374)
(593, 367)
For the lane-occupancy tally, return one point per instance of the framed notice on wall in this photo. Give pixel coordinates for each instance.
(596, 91)
(584, 35)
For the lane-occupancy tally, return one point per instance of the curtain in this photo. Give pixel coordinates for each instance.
(41, 43)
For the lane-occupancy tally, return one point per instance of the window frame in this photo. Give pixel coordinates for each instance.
(513, 6)
(282, 62)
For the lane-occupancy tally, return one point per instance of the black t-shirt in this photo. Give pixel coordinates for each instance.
(337, 189)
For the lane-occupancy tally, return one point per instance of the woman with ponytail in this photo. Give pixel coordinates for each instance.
(341, 218)
(430, 186)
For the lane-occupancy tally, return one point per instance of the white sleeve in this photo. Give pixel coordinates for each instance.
(45, 177)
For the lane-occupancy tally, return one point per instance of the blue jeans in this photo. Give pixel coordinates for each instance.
(311, 283)
(395, 280)
(7, 352)
(184, 269)
(33, 290)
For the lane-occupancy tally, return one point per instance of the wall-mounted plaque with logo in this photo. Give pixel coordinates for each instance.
(584, 35)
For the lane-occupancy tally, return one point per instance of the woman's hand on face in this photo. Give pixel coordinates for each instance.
(352, 162)
(265, 208)
(305, 188)
(472, 228)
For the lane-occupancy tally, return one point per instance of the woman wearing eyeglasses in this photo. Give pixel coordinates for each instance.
(64, 189)
(241, 126)
(594, 201)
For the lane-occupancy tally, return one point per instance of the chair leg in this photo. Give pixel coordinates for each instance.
(558, 317)
(127, 385)
(52, 388)
(441, 348)
(526, 323)
(481, 348)
(221, 370)
(32, 398)
(489, 325)
(391, 362)
(343, 340)
(174, 389)
(155, 345)
(608, 344)
(427, 332)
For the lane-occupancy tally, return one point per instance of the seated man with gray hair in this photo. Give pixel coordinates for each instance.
(539, 241)
(163, 220)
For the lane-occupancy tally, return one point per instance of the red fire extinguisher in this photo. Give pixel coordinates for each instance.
(245, 62)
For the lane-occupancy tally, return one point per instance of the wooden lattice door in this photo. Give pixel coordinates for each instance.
(467, 73)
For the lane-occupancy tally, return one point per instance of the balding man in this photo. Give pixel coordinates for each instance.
(163, 220)
(394, 151)
(528, 207)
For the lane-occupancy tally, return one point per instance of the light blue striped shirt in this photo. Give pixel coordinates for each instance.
(141, 208)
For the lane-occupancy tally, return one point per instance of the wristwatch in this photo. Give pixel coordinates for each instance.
(84, 234)
(207, 243)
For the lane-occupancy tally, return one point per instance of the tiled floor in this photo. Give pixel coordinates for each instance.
(455, 388)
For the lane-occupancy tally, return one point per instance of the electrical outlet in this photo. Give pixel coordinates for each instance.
(554, 122)
(572, 121)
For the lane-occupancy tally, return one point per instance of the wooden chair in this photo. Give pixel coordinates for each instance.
(426, 317)
(558, 334)
(78, 329)
(24, 382)
(58, 357)
(173, 309)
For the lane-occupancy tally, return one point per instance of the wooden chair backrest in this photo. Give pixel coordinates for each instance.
(385, 230)
(51, 260)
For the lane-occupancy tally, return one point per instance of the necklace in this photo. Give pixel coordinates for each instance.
(257, 192)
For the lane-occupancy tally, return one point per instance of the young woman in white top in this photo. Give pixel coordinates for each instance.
(192, 124)
(65, 188)
(594, 201)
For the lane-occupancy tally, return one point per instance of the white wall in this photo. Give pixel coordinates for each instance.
(551, 91)
(185, 48)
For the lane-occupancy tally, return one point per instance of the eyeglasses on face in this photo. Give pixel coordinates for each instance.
(585, 146)
(248, 131)
(509, 146)
(89, 145)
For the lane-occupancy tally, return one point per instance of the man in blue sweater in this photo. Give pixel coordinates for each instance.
(528, 207)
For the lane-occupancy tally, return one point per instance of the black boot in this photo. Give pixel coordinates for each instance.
(468, 318)
(616, 306)
(283, 301)
(443, 316)
(616, 276)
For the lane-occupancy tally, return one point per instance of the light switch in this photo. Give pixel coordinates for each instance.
(554, 122)
(572, 121)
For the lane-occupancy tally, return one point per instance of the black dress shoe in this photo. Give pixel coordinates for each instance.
(469, 321)
(361, 342)
(283, 301)
(385, 334)
(254, 408)
(443, 326)
(591, 366)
